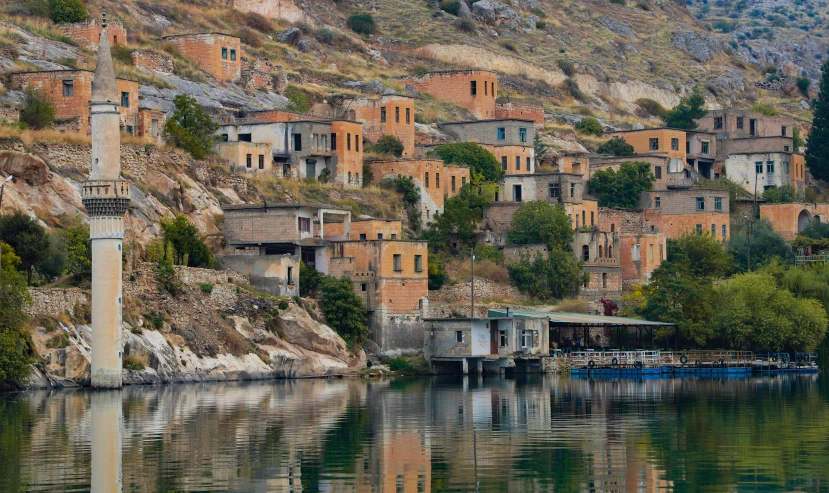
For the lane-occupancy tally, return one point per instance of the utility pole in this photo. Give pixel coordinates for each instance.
(2, 188)
(750, 224)
(472, 285)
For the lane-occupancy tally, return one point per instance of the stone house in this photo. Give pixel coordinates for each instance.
(88, 34)
(475, 90)
(693, 210)
(392, 278)
(701, 153)
(435, 180)
(599, 250)
(521, 109)
(384, 115)
(70, 91)
(642, 244)
(369, 229)
(681, 149)
(511, 141)
(246, 157)
(301, 148)
(791, 219)
(273, 274)
(151, 123)
(568, 189)
(218, 54)
(761, 163)
(659, 163)
(728, 124)
(486, 344)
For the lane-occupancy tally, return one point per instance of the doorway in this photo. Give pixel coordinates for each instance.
(493, 337)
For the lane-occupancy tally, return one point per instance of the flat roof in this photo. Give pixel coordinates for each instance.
(374, 219)
(395, 240)
(660, 128)
(266, 207)
(63, 70)
(469, 122)
(439, 72)
(555, 173)
(570, 318)
(198, 34)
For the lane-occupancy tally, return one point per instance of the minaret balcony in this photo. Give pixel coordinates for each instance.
(106, 197)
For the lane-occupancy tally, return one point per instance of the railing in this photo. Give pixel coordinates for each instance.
(810, 259)
(659, 358)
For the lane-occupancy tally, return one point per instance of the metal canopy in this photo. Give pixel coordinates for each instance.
(581, 319)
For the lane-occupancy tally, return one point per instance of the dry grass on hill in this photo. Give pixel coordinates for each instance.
(460, 271)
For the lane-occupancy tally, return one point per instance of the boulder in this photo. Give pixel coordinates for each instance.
(305, 46)
(615, 27)
(375, 87)
(411, 91)
(790, 87)
(495, 13)
(464, 11)
(698, 45)
(289, 36)
(789, 69)
(295, 326)
(25, 166)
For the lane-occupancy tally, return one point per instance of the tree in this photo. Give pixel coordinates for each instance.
(590, 126)
(622, 188)
(368, 175)
(14, 351)
(10, 261)
(705, 255)
(78, 251)
(817, 147)
(437, 274)
(362, 24)
(689, 109)
(388, 144)
(541, 222)
(470, 154)
(781, 195)
(540, 147)
(616, 146)
(65, 11)
(190, 127)
(461, 216)
(36, 111)
(405, 186)
(766, 245)
(344, 310)
(187, 243)
(28, 239)
(816, 230)
(55, 263)
(298, 100)
(309, 279)
(545, 278)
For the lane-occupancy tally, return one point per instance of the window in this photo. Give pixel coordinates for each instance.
(348, 142)
(650, 252)
(383, 114)
(758, 167)
(770, 166)
(68, 88)
(333, 142)
(700, 203)
(572, 190)
(783, 130)
(592, 223)
(297, 142)
(740, 124)
(486, 87)
(699, 229)
(555, 192)
(609, 251)
(527, 338)
(248, 160)
(713, 230)
(394, 236)
(604, 280)
(504, 163)
(583, 221)
(379, 236)
(426, 179)
(128, 129)
(224, 53)
(463, 180)
(600, 251)
(363, 236)
(705, 148)
(516, 193)
(717, 203)
(517, 163)
(612, 227)
(290, 275)
(658, 172)
(687, 147)
(125, 100)
(357, 142)
(717, 123)
(458, 336)
(674, 144)
(492, 85)
(261, 161)
(522, 134)
(661, 252)
(364, 286)
(408, 115)
(502, 133)
(635, 253)
(502, 338)
(653, 144)
(529, 164)
(316, 144)
(585, 253)
(398, 266)
(657, 202)
(418, 263)
(453, 183)
(437, 180)
(785, 148)
(473, 88)
(232, 55)
(304, 224)
(397, 114)
(724, 230)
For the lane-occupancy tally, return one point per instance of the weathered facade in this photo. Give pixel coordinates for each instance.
(88, 34)
(475, 90)
(522, 109)
(151, 123)
(385, 115)
(511, 141)
(693, 210)
(729, 124)
(218, 54)
(642, 245)
(791, 219)
(369, 229)
(70, 91)
(273, 274)
(599, 250)
(567, 189)
(660, 165)
(246, 157)
(765, 162)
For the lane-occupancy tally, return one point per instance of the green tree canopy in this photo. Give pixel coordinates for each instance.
(14, 350)
(190, 127)
(705, 255)
(542, 222)
(616, 146)
(470, 154)
(554, 276)
(62, 11)
(766, 245)
(345, 311)
(28, 239)
(388, 144)
(36, 112)
(187, 243)
(689, 109)
(461, 216)
(781, 195)
(621, 188)
(78, 251)
(817, 147)
(590, 126)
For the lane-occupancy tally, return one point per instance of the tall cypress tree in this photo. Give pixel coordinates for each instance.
(817, 148)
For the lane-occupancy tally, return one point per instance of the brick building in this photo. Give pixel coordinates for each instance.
(521, 109)
(392, 278)
(70, 91)
(246, 157)
(385, 115)
(642, 244)
(218, 54)
(475, 90)
(729, 124)
(151, 123)
(88, 33)
(791, 219)
(599, 250)
(568, 189)
(511, 141)
(435, 180)
(369, 229)
(151, 60)
(691, 210)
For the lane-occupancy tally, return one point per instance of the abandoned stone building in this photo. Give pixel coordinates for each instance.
(70, 91)
(685, 152)
(728, 124)
(642, 244)
(218, 54)
(88, 34)
(599, 250)
(151, 121)
(568, 189)
(791, 219)
(384, 115)
(511, 141)
(475, 90)
(690, 210)
(762, 163)
(435, 180)
(369, 229)
(520, 109)
(318, 149)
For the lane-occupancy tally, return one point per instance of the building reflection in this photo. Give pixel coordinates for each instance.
(106, 416)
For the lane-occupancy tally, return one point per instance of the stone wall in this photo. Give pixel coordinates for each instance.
(529, 109)
(53, 302)
(456, 86)
(88, 33)
(484, 290)
(217, 54)
(152, 61)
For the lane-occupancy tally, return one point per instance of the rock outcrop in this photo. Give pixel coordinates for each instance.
(24, 166)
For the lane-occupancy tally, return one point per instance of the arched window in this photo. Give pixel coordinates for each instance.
(600, 251)
(585, 253)
(609, 251)
(604, 281)
(612, 228)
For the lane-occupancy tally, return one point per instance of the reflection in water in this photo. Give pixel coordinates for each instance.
(421, 435)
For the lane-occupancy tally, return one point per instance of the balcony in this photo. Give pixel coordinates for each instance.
(679, 181)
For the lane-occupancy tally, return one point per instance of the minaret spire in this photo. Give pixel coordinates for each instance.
(106, 197)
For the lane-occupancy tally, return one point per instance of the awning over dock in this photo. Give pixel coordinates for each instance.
(580, 319)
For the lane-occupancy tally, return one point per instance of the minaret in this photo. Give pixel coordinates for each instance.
(106, 198)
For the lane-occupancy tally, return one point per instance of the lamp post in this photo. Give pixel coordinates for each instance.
(472, 285)
(3, 187)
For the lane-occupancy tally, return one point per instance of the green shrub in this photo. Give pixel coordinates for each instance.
(590, 126)
(190, 127)
(650, 107)
(401, 365)
(437, 275)
(362, 24)
(572, 87)
(764, 109)
(540, 25)
(344, 310)
(36, 111)
(566, 66)
(299, 100)
(388, 144)
(63, 11)
(465, 25)
(451, 6)
(206, 288)
(489, 253)
(618, 2)
(368, 175)
(509, 45)
(309, 280)
(121, 53)
(133, 362)
(188, 246)
(59, 341)
(803, 84)
(616, 146)
(283, 304)
(14, 358)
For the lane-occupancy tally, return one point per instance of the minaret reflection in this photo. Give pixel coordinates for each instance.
(106, 423)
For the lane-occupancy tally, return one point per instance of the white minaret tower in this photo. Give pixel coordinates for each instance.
(106, 198)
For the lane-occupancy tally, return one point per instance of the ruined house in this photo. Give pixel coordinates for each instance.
(511, 141)
(475, 90)
(218, 54)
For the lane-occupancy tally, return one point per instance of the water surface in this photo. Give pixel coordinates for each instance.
(433, 434)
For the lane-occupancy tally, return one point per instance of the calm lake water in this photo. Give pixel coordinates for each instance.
(432, 434)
